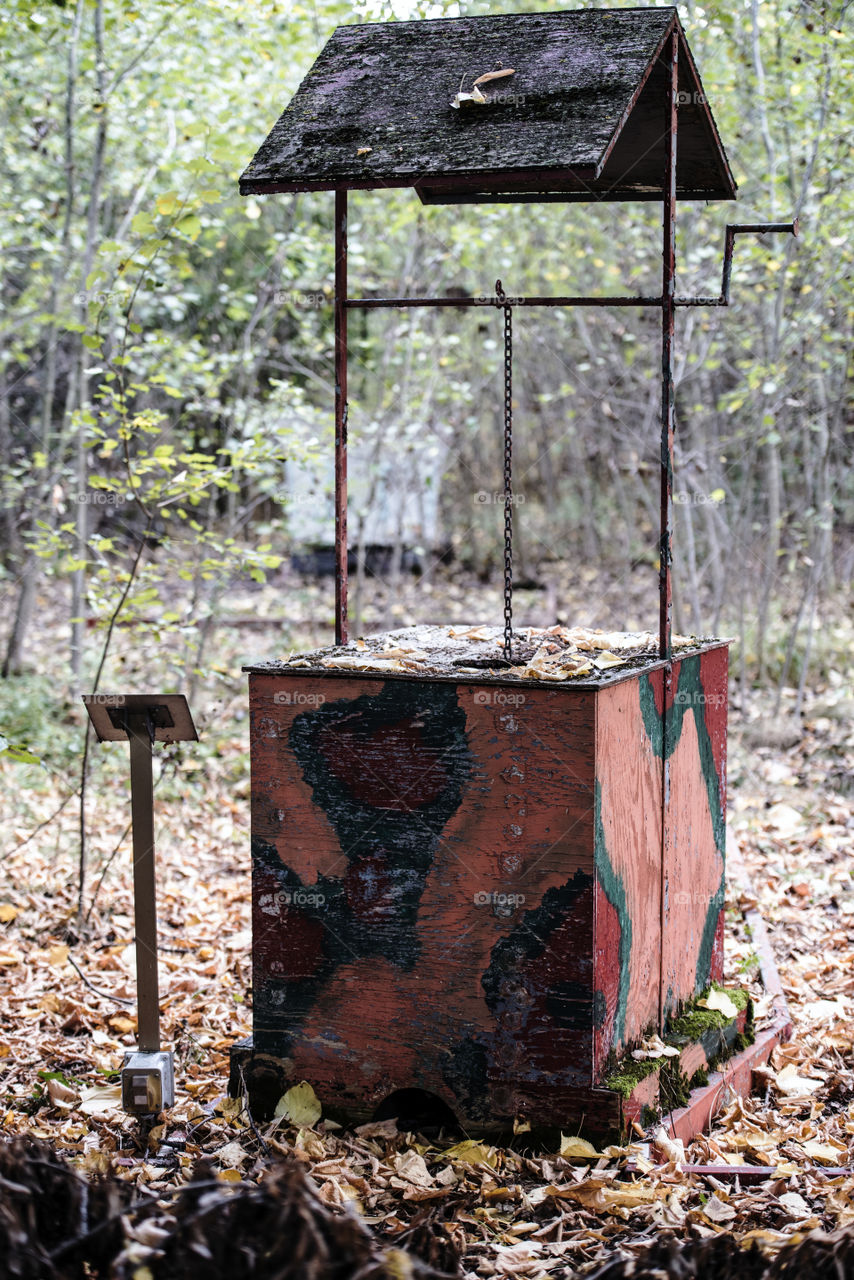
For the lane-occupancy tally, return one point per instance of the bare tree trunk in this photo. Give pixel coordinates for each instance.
(81, 460)
(53, 448)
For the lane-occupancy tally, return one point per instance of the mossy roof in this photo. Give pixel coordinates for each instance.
(582, 117)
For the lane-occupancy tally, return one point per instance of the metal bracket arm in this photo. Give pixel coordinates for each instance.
(734, 229)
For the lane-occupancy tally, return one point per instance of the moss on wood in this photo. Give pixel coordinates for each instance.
(625, 1078)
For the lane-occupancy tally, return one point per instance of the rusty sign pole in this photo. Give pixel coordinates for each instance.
(665, 548)
(341, 415)
(140, 732)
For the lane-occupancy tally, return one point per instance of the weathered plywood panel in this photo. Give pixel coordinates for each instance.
(695, 827)
(628, 863)
(423, 898)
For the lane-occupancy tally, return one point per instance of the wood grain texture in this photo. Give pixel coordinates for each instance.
(628, 858)
(423, 905)
(695, 829)
(384, 90)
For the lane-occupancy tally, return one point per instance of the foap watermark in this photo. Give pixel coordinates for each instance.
(97, 498)
(687, 498)
(298, 698)
(685, 99)
(497, 899)
(506, 299)
(497, 698)
(285, 498)
(300, 898)
(694, 899)
(307, 299)
(696, 698)
(483, 498)
(98, 297)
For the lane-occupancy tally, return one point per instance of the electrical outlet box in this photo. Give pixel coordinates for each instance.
(148, 1083)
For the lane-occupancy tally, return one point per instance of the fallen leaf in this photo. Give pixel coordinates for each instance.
(470, 1152)
(100, 1097)
(789, 1083)
(577, 1149)
(494, 75)
(720, 1002)
(410, 1166)
(823, 1152)
(717, 1211)
(7, 912)
(300, 1106)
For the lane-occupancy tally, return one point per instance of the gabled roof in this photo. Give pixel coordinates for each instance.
(581, 118)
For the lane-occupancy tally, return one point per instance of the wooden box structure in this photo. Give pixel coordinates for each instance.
(477, 888)
(467, 882)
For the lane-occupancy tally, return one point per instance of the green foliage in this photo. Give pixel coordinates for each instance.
(167, 345)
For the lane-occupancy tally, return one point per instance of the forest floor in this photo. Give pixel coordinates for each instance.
(67, 994)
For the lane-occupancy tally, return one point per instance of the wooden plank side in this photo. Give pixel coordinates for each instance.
(423, 892)
(628, 863)
(695, 830)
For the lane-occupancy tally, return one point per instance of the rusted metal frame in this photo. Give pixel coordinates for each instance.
(365, 304)
(341, 415)
(665, 539)
(736, 1074)
(744, 1172)
(734, 229)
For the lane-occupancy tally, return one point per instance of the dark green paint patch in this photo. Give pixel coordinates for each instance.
(615, 891)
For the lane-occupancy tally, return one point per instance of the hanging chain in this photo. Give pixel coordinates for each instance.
(508, 469)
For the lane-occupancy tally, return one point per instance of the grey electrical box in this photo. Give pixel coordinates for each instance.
(148, 1083)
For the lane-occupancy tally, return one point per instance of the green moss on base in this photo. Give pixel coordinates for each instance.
(674, 1086)
(695, 1021)
(625, 1078)
(699, 1079)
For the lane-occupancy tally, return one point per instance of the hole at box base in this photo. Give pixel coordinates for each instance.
(417, 1110)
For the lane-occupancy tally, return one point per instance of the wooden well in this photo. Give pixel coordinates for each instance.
(478, 887)
(471, 882)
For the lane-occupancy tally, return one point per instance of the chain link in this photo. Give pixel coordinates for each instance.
(508, 469)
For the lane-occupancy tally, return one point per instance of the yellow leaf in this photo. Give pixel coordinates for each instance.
(7, 912)
(822, 1152)
(300, 1105)
(167, 203)
(607, 659)
(577, 1149)
(121, 1024)
(474, 1153)
(229, 1175)
(495, 75)
(720, 1002)
(57, 955)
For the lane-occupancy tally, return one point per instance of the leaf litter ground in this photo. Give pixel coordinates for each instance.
(376, 1201)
